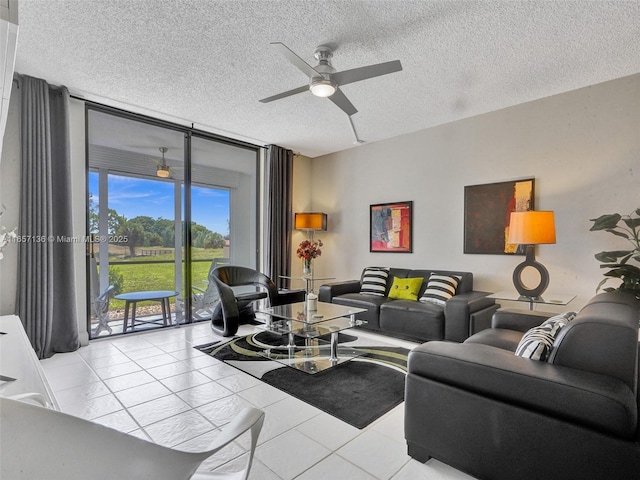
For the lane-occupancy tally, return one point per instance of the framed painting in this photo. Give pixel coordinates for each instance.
(487, 211)
(390, 228)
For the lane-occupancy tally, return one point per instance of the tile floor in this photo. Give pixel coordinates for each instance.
(155, 385)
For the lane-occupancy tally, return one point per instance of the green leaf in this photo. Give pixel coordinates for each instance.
(610, 265)
(632, 222)
(633, 270)
(612, 256)
(617, 233)
(630, 271)
(626, 259)
(615, 273)
(602, 282)
(605, 221)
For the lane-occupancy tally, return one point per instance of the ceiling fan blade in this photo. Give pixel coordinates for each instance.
(295, 91)
(343, 102)
(295, 59)
(363, 73)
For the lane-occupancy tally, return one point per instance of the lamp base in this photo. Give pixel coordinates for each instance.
(530, 261)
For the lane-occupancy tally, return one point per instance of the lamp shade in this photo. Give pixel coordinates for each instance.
(321, 87)
(310, 221)
(532, 228)
(162, 171)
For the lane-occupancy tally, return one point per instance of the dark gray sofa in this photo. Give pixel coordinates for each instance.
(464, 314)
(480, 408)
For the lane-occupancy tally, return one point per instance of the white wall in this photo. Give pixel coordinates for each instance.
(10, 198)
(582, 147)
(301, 202)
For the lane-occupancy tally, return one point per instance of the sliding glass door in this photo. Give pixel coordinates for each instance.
(165, 205)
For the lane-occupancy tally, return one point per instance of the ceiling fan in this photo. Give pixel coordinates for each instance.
(324, 80)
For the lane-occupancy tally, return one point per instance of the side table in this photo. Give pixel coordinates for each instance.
(161, 296)
(308, 281)
(548, 299)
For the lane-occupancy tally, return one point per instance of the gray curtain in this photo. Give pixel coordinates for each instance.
(279, 183)
(46, 280)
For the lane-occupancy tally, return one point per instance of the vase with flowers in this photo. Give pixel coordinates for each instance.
(307, 251)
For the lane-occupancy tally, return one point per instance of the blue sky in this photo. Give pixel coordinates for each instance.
(132, 197)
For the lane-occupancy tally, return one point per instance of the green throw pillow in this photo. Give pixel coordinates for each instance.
(405, 288)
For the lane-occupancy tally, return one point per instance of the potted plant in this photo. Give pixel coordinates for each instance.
(617, 261)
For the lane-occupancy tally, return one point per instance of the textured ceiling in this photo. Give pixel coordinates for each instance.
(209, 62)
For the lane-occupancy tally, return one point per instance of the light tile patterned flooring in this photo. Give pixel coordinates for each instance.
(156, 386)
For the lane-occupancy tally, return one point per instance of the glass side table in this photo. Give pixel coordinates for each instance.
(308, 281)
(548, 299)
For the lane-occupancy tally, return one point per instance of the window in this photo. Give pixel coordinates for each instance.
(164, 233)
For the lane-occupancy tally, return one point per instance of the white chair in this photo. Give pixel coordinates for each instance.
(203, 301)
(99, 300)
(39, 443)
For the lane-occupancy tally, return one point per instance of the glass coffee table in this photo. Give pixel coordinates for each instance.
(304, 335)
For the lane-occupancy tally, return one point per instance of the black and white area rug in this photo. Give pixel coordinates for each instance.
(357, 392)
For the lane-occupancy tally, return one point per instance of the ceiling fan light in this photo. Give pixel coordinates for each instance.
(321, 87)
(162, 171)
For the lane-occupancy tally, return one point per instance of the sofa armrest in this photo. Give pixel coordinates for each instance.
(596, 401)
(457, 311)
(519, 320)
(330, 290)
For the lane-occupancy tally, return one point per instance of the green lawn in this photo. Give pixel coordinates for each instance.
(138, 276)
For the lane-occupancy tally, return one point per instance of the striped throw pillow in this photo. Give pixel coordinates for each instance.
(374, 281)
(440, 289)
(537, 342)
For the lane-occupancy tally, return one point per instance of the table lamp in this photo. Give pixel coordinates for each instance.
(531, 228)
(310, 221)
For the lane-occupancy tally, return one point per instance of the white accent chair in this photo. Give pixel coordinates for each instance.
(203, 301)
(40, 443)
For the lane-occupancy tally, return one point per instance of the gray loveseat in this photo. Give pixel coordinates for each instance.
(495, 415)
(464, 314)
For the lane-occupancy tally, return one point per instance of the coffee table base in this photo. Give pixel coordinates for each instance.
(313, 357)
(302, 344)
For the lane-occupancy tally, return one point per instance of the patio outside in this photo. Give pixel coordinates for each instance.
(151, 268)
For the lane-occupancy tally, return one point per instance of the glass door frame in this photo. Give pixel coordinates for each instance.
(183, 260)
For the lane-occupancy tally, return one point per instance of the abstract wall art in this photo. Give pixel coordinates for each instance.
(487, 210)
(391, 227)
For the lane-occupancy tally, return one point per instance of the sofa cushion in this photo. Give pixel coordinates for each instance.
(374, 281)
(405, 288)
(440, 289)
(414, 319)
(537, 342)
